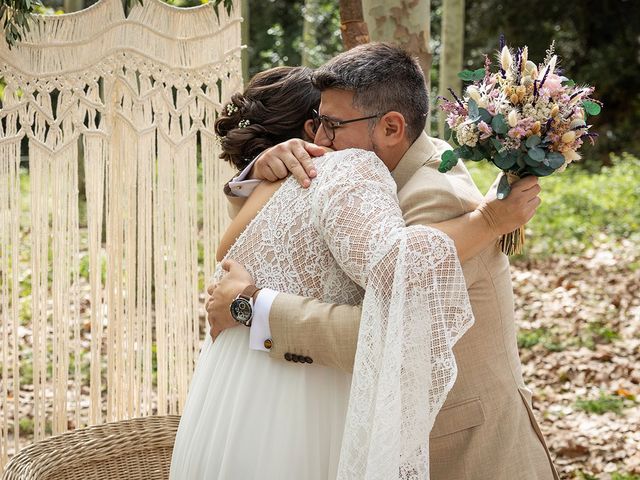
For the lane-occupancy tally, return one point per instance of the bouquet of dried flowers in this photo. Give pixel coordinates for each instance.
(526, 119)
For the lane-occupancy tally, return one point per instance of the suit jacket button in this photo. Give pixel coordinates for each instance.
(287, 357)
(268, 344)
(295, 358)
(308, 359)
(301, 359)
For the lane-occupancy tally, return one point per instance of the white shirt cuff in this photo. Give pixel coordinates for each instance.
(240, 186)
(260, 330)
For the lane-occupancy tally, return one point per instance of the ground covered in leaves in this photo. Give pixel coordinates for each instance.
(579, 338)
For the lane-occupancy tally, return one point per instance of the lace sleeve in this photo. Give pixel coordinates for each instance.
(415, 309)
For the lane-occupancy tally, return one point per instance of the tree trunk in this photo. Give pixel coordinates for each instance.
(244, 55)
(451, 52)
(354, 28)
(405, 23)
(308, 31)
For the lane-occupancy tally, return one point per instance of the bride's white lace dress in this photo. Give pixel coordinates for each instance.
(252, 417)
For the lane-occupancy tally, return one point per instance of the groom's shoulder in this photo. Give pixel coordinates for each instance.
(429, 180)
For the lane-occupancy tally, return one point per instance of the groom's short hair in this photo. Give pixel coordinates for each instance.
(383, 78)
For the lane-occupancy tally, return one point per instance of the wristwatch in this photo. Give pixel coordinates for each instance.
(242, 307)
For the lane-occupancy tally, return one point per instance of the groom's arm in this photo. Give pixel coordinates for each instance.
(326, 333)
(273, 164)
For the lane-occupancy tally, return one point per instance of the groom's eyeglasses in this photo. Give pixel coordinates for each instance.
(330, 125)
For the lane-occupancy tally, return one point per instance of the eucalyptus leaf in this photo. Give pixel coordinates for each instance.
(448, 160)
(536, 154)
(592, 108)
(478, 74)
(497, 144)
(464, 152)
(454, 138)
(554, 160)
(505, 162)
(499, 125)
(447, 131)
(485, 116)
(477, 155)
(532, 141)
(466, 75)
(503, 187)
(541, 171)
(474, 114)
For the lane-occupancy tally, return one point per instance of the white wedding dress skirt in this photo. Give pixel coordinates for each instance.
(251, 417)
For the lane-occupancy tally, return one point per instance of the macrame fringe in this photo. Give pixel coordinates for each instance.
(117, 106)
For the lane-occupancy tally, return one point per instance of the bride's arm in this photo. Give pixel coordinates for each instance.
(476, 230)
(250, 208)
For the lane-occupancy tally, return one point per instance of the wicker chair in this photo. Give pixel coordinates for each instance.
(130, 449)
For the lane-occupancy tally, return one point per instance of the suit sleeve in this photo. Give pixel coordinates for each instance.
(325, 332)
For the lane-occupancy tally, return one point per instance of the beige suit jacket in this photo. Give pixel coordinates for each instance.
(486, 429)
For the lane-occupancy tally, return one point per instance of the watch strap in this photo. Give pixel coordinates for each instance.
(249, 291)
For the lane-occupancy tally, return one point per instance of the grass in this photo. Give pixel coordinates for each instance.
(614, 476)
(579, 206)
(604, 403)
(624, 476)
(549, 339)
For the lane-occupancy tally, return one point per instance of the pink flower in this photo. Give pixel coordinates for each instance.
(553, 83)
(517, 132)
(485, 130)
(452, 120)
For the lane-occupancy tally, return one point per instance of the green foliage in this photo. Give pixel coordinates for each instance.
(547, 338)
(604, 403)
(276, 33)
(578, 207)
(624, 476)
(586, 476)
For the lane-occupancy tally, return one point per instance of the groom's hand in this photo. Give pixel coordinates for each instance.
(516, 209)
(292, 156)
(224, 292)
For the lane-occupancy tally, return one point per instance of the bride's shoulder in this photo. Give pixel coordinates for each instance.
(351, 161)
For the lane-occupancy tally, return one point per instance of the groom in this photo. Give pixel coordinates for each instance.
(486, 429)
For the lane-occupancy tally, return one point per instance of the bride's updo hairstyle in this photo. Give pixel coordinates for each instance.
(273, 108)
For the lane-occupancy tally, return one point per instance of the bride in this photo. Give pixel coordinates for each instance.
(342, 240)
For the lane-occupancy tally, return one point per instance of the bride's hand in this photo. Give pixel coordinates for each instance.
(517, 209)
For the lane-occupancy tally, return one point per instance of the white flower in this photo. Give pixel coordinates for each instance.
(505, 58)
(552, 63)
(524, 56)
(468, 134)
(531, 69)
(474, 93)
(513, 118)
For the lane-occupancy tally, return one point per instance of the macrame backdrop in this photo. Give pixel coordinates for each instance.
(130, 100)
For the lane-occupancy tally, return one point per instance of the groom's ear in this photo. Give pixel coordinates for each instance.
(394, 127)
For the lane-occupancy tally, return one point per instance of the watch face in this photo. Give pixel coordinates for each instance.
(241, 310)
